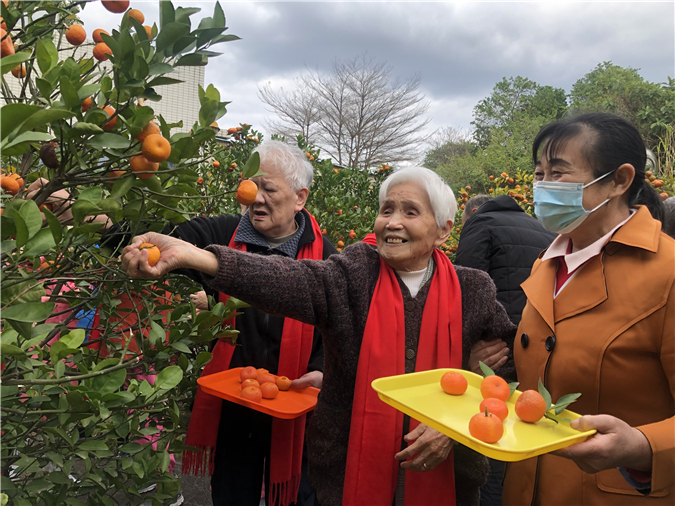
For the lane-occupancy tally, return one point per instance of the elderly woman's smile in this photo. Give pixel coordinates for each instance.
(406, 228)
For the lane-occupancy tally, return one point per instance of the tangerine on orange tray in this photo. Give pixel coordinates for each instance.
(495, 406)
(153, 252)
(249, 383)
(454, 383)
(530, 406)
(486, 427)
(495, 387)
(252, 394)
(156, 148)
(247, 192)
(249, 372)
(283, 383)
(265, 377)
(260, 369)
(269, 390)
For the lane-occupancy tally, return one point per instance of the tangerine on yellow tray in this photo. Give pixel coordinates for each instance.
(287, 405)
(420, 396)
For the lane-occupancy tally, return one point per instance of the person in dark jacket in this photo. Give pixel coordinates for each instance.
(276, 224)
(503, 240)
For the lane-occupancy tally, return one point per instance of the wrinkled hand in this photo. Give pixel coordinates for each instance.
(200, 300)
(311, 379)
(174, 254)
(59, 201)
(492, 353)
(430, 447)
(615, 444)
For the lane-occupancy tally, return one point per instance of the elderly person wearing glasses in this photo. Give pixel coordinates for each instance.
(392, 309)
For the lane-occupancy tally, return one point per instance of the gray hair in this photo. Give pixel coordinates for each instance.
(475, 202)
(669, 216)
(443, 201)
(289, 160)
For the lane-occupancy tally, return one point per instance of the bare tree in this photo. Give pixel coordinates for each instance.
(446, 144)
(358, 113)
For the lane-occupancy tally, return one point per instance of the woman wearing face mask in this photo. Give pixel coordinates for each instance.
(600, 320)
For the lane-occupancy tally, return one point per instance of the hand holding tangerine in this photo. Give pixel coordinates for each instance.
(153, 253)
(283, 383)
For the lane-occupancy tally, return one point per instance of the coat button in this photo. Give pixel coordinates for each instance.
(409, 354)
(524, 340)
(550, 343)
(410, 305)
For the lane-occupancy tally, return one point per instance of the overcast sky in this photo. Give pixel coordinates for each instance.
(461, 49)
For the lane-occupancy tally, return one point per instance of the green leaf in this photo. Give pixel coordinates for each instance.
(486, 370)
(203, 358)
(43, 118)
(74, 338)
(545, 394)
(108, 140)
(83, 128)
(93, 446)
(565, 401)
(29, 312)
(21, 143)
(38, 485)
(109, 206)
(218, 16)
(88, 90)
(513, 387)
(161, 81)
(112, 44)
(181, 346)
(9, 350)
(169, 34)
(166, 14)
(44, 87)
(47, 55)
(110, 382)
(159, 68)
(12, 61)
(92, 194)
(224, 38)
(131, 448)
(165, 461)
(40, 243)
(169, 378)
(83, 208)
(68, 93)
(253, 165)
(192, 60)
(59, 368)
(13, 115)
(122, 186)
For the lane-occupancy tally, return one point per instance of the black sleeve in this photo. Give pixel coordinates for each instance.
(474, 246)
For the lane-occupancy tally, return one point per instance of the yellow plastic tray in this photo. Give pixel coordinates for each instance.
(420, 396)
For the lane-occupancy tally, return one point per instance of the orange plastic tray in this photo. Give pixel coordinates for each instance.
(288, 405)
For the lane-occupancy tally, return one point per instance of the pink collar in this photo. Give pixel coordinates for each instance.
(560, 244)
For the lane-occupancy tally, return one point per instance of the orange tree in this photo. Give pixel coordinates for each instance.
(96, 366)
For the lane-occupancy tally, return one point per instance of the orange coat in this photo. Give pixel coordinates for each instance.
(612, 338)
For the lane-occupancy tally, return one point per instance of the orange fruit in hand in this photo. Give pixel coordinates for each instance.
(76, 35)
(9, 185)
(156, 148)
(454, 383)
(140, 164)
(110, 124)
(250, 383)
(269, 390)
(86, 104)
(100, 51)
(247, 192)
(486, 427)
(265, 377)
(249, 372)
(137, 15)
(530, 406)
(116, 6)
(153, 252)
(495, 387)
(252, 394)
(97, 35)
(495, 406)
(283, 383)
(149, 129)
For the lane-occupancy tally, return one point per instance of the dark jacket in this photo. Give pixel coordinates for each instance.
(504, 241)
(335, 296)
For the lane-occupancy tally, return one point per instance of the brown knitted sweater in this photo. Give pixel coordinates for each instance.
(334, 295)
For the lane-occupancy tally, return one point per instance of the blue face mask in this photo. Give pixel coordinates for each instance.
(559, 207)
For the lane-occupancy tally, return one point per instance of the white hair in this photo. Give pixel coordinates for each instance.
(443, 201)
(289, 160)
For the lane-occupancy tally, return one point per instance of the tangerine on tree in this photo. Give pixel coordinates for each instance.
(153, 252)
(156, 148)
(6, 46)
(486, 427)
(247, 192)
(101, 51)
(19, 71)
(149, 129)
(495, 406)
(112, 117)
(137, 15)
(116, 6)
(97, 35)
(140, 164)
(216, 164)
(76, 35)
(495, 387)
(454, 383)
(200, 180)
(86, 104)
(249, 372)
(530, 406)
(148, 30)
(9, 185)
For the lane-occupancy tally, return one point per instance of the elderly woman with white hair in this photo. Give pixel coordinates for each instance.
(392, 309)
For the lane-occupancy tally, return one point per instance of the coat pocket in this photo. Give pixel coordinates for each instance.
(610, 480)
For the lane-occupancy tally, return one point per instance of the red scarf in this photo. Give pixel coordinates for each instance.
(287, 435)
(377, 428)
